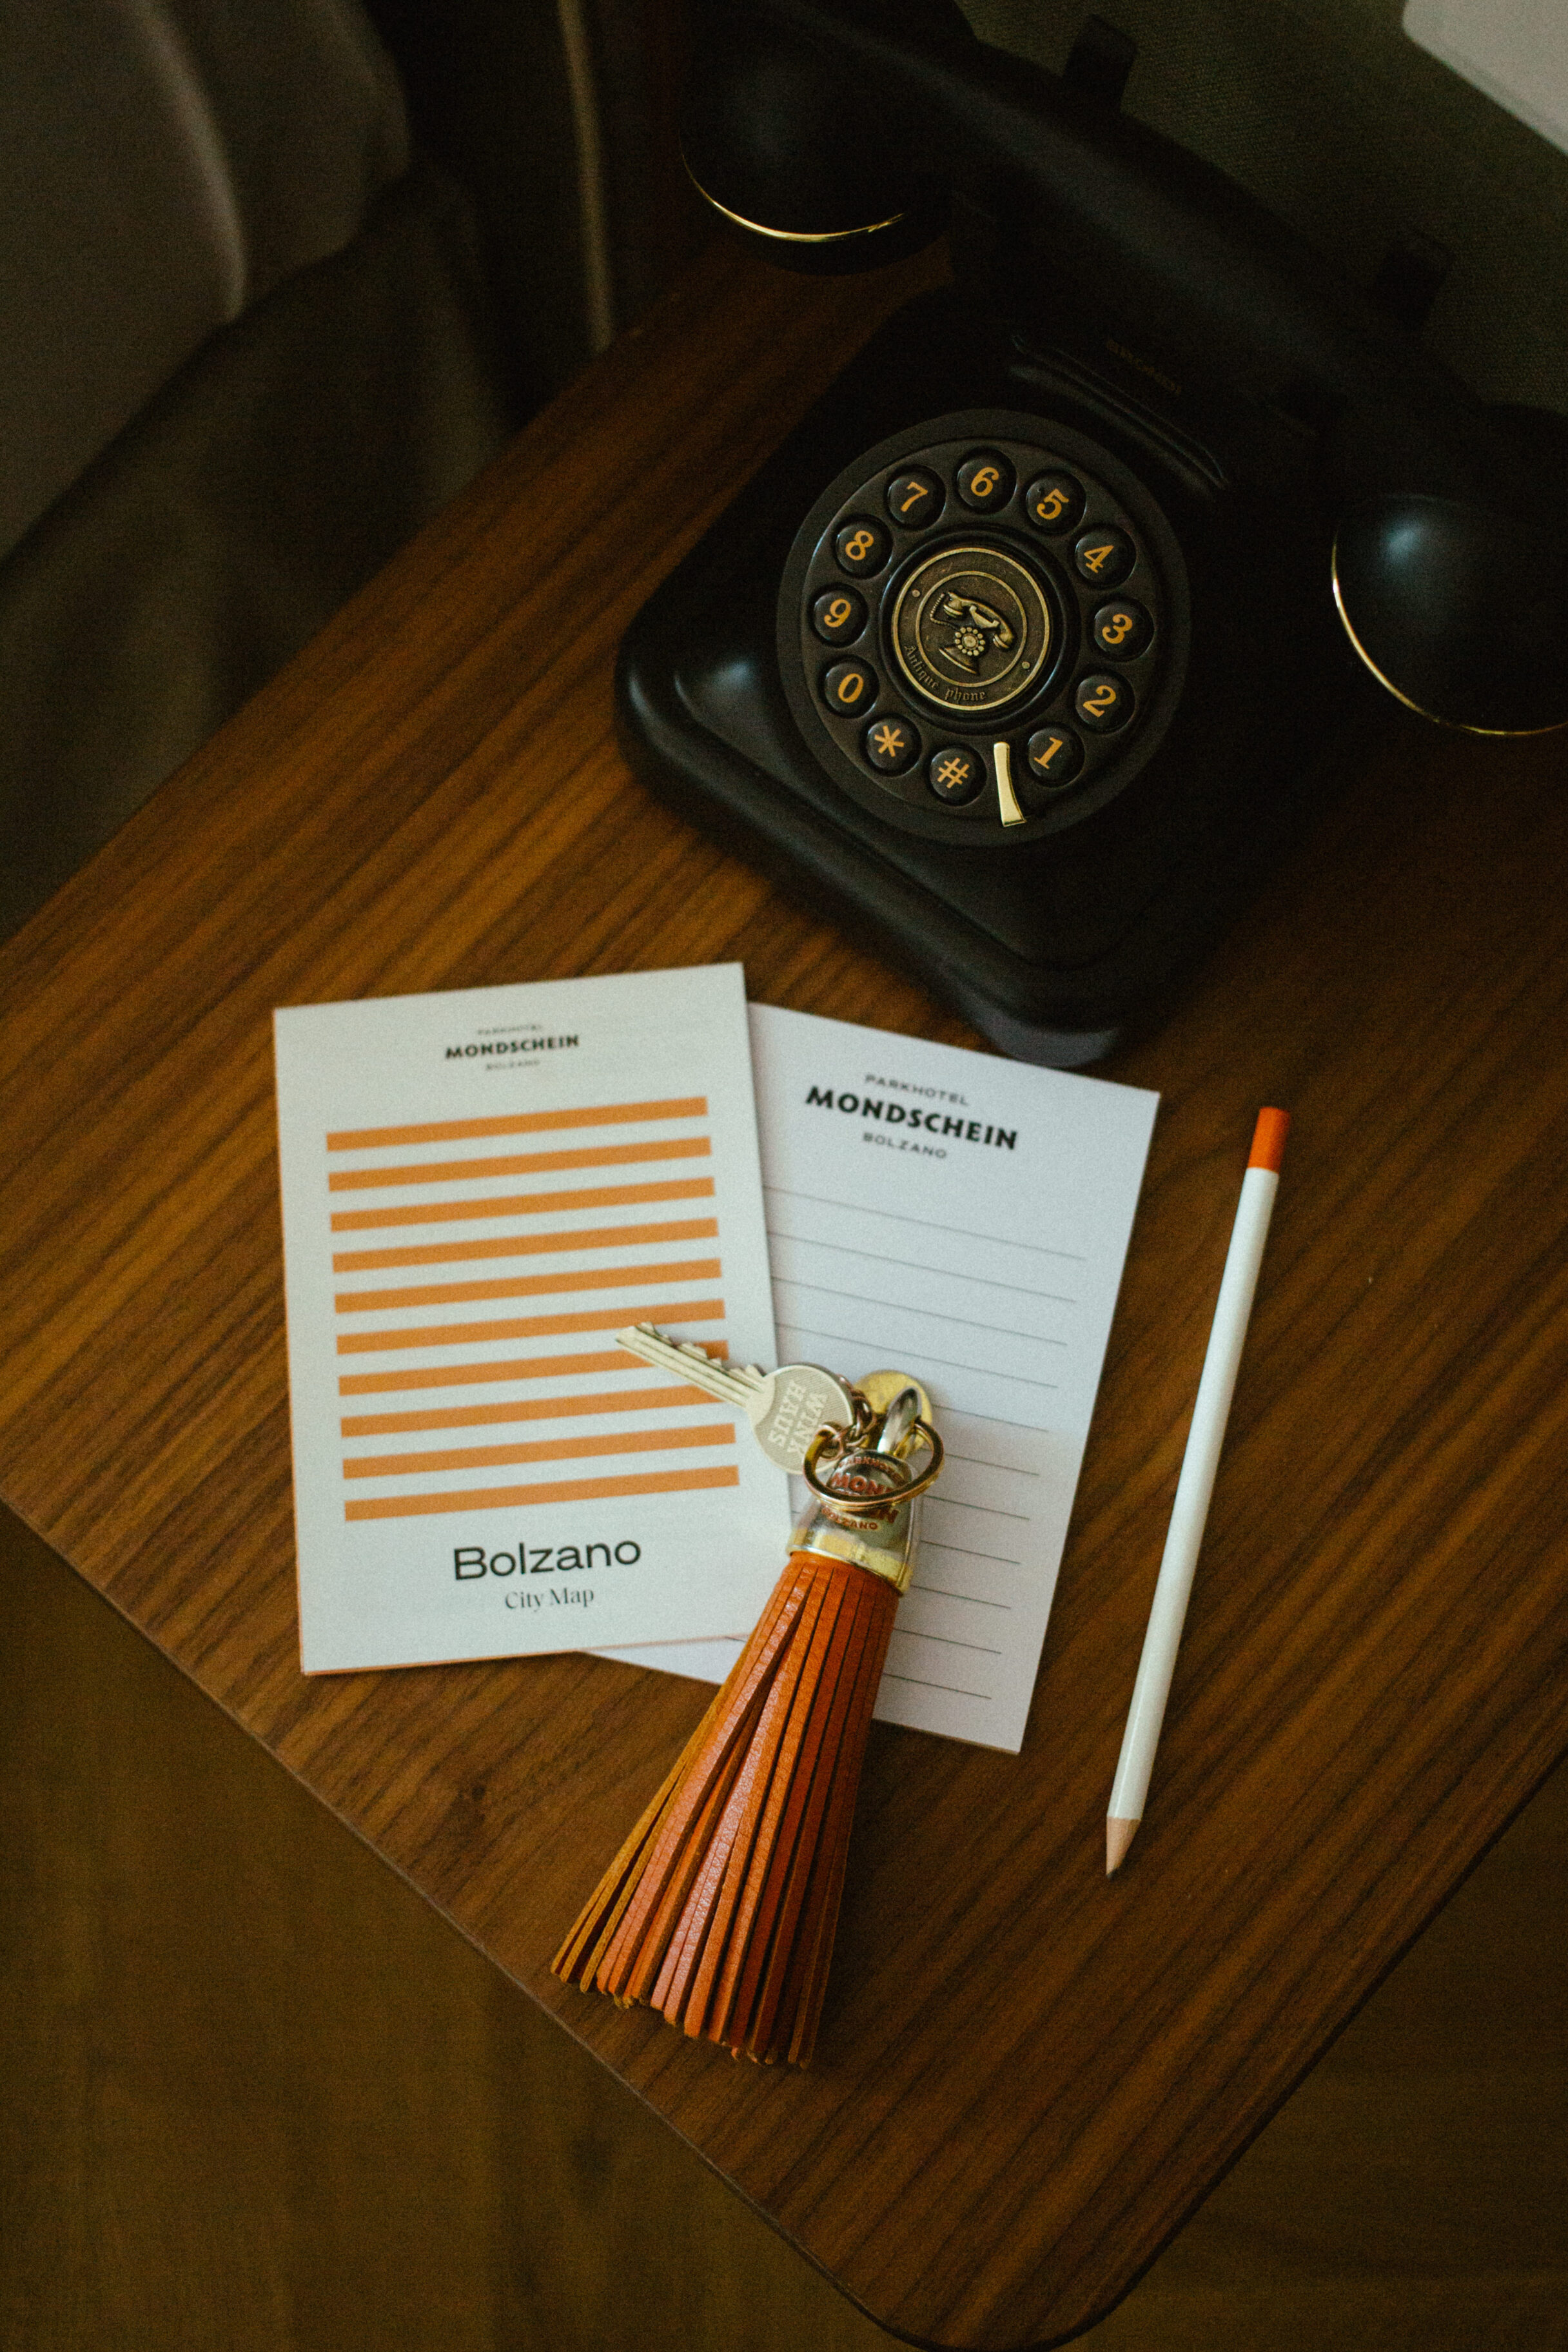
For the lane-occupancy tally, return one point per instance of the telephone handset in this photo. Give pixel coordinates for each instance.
(1032, 643)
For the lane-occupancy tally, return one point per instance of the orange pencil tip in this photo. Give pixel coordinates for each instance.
(1269, 1140)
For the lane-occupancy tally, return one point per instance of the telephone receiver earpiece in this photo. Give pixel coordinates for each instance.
(836, 132)
(779, 135)
(1460, 612)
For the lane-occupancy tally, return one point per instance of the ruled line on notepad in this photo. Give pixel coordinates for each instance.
(523, 1205)
(923, 1355)
(525, 1122)
(954, 1690)
(947, 1641)
(974, 1598)
(992, 1511)
(584, 1447)
(518, 1163)
(914, 1266)
(591, 1237)
(526, 1286)
(566, 1490)
(925, 1224)
(1013, 1469)
(529, 1326)
(921, 1314)
(490, 1416)
(929, 1543)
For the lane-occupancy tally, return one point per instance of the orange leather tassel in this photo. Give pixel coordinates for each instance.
(719, 1909)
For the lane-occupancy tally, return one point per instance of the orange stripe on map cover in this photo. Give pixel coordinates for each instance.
(528, 1286)
(531, 1327)
(565, 1490)
(523, 1205)
(590, 1237)
(521, 1368)
(524, 1122)
(548, 1449)
(520, 1164)
(489, 1416)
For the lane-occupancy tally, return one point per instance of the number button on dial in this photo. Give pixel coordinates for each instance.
(915, 499)
(1103, 702)
(1121, 630)
(861, 547)
(837, 616)
(1054, 755)
(849, 687)
(1053, 502)
(1104, 557)
(955, 774)
(984, 481)
(890, 745)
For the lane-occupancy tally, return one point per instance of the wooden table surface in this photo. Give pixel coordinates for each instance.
(1028, 2075)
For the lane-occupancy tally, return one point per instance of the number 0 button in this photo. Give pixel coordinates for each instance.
(1122, 630)
(861, 547)
(1102, 702)
(849, 687)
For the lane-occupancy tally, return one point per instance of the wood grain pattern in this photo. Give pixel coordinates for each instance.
(1027, 2076)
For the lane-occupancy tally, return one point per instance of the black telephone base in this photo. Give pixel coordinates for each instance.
(1056, 945)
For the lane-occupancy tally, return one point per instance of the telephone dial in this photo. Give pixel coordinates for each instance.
(1049, 625)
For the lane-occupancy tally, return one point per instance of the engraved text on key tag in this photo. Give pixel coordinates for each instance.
(800, 1399)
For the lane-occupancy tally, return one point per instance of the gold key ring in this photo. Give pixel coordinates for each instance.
(838, 1439)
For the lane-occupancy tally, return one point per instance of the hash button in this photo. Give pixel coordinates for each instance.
(955, 773)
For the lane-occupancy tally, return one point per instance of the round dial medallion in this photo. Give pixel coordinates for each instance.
(1011, 649)
(971, 629)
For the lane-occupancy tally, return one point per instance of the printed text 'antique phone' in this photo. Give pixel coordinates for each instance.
(1035, 640)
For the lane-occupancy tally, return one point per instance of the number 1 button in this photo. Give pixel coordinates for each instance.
(1056, 755)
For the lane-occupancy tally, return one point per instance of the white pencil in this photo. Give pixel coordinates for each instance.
(1190, 1510)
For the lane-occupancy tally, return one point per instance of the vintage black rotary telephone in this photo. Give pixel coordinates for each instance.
(1030, 646)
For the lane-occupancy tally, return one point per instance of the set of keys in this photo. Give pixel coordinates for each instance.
(786, 1408)
(807, 1420)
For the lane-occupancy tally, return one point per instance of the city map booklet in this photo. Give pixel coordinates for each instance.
(480, 1188)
